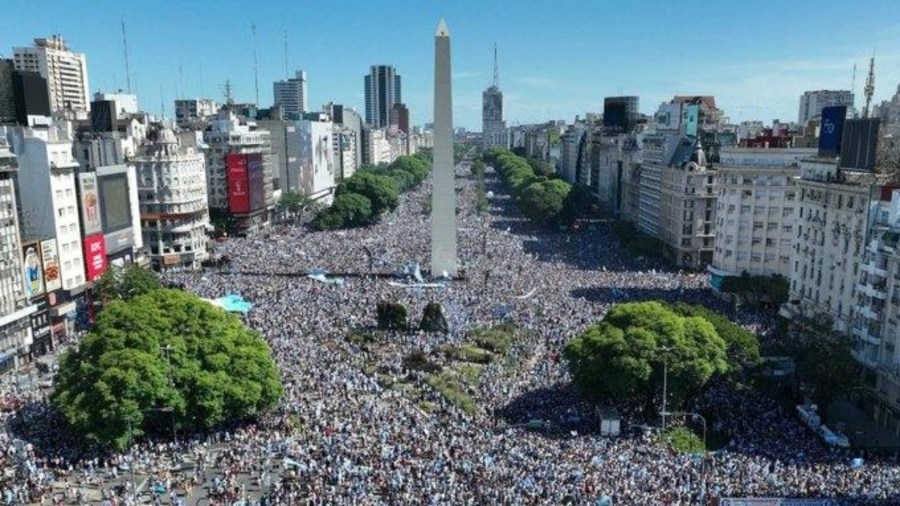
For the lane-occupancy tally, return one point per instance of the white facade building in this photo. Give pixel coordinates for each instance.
(65, 71)
(380, 150)
(291, 94)
(875, 329)
(829, 240)
(812, 103)
(756, 210)
(190, 111)
(15, 306)
(173, 202)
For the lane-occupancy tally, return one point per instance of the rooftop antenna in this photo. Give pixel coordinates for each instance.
(869, 90)
(496, 68)
(255, 63)
(200, 72)
(162, 103)
(181, 80)
(228, 99)
(853, 87)
(127, 66)
(286, 73)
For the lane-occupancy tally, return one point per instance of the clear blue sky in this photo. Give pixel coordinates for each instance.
(557, 59)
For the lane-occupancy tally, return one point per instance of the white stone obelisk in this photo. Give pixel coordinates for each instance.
(443, 200)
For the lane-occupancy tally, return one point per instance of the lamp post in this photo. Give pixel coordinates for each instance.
(166, 349)
(665, 349)
(697, 416)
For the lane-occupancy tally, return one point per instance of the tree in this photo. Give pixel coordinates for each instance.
(433, 319)
(742, 346)
(163, 351)
(543, 201)
(292, 201)
(391, 315)
(348, 210)
(124, 283)
(417, 166)
(379, 189)
(579, 203)
(824, 363)
(622, 357)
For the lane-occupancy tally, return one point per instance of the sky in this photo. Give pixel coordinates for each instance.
(557, 59)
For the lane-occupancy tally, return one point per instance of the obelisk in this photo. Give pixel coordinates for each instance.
(443, 200)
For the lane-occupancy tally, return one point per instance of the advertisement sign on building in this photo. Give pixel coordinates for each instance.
(238, 183)
(94, 256)
(90, 203)
(50, 263)
(831, 130)
(33, 271)
(691, 119)
(115, 204)
(255, 178)
(668, 117)
(858, 144)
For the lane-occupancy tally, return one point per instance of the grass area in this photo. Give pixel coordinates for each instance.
(497, 339)
(360, 337)
(475, 354)
(471, 373)
(449, 386)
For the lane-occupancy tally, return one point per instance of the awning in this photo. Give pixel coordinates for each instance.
(62, 309)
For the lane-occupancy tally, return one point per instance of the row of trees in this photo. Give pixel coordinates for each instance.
(542, 197)
(623, 357)
(362, 198)
(161, 358)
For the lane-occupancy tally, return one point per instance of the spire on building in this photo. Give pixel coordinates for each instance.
(496, 68)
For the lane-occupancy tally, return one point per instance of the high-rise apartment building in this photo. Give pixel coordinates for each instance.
(812, 103)
(65, 71)
(173, 206)
(19, 282)
(382, 91)
(493, 128)
(291, 95)
(195, 110)
(756, 211)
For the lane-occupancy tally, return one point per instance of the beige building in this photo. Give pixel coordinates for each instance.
(65, 71)
(173, 206)
(756, 210)
(829, 239)
(874, 327)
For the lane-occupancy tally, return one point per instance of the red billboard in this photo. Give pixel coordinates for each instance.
(238, 183)
(94, 256)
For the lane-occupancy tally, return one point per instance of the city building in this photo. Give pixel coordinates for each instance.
(382, 91)
(400, 117)
(874, 327)
(290, 94)
(347, 139)
(49, 211)
(125, 103)
(572, 157)
(24, 96)
(65, 71)
(7, 97)
(191, 112)
(812, 103)
(378, 147)
(240, 173)
(493, 128)
(620, 114)
(687, 216)
(173, 204)
(829, 240)
(22, 272)
(889, 110)
(756, 211)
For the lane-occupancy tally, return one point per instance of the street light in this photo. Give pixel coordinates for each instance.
(665, 349)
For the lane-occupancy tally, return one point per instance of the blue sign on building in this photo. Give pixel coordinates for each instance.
(831, 130)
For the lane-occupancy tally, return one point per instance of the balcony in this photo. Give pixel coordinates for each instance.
(876, 291)
(868, 312)
(867, 335)
(863, 359)
(874, 270)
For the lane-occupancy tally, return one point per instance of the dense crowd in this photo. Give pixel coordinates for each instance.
(342, 437)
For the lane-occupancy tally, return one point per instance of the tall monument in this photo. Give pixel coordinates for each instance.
(443, 200)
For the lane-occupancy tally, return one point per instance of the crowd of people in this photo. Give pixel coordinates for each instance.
(341, 436)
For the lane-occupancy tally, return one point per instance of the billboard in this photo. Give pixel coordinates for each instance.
(858, 144)
(90, 203)
(668, 117)
(690, 118)
(115, 204)
(238, 183)
(832, 130)
(255, 181)
(50, 264)
(32, 270)
(94, 256)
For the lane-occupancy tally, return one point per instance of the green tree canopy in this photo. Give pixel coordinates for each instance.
(165, 350)
(579, 203)
(742, 346)
(381, 190)
(543, 201)
(391, 315)
(622, 357)
(123, 283)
